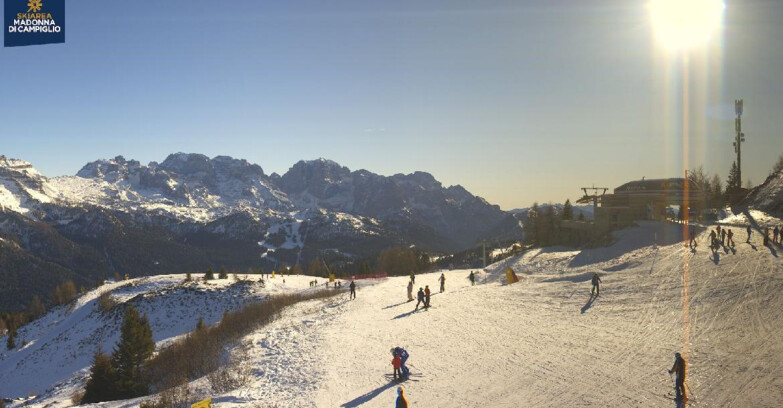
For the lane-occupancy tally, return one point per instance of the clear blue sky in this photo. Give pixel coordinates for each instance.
(518, 101)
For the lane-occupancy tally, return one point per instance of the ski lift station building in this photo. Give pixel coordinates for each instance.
(648, 200)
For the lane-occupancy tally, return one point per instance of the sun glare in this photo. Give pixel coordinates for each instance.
(684, 24)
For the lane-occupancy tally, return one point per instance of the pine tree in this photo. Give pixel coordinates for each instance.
(581, 216)
(568, 210)
(716, 192)
(778, 167)
(209, 275)
(733, 181)
(530, 225)
(133, 350)
(102, 385)
(223, 273)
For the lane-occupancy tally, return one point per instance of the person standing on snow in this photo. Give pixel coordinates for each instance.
(748, 229)
(596, 290)
(426, 296)
(402, 402)
(404, 371)
(410, 291)
(420, 296)
(413, 277)
(692, 242)
(396, 363)
(472, 278)
(679, 383)
(442, 280)
(775, 233)
(713, 241)
(723, 236)
(730, 242)
(353, 290)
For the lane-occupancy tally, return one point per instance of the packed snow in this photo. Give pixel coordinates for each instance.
(540, 342)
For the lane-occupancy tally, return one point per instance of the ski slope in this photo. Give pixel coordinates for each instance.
(541, 342)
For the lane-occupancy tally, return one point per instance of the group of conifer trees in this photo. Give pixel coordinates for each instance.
(121, 374)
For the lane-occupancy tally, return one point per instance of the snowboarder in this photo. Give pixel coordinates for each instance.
(679, 383)
(472, 278)
(410, 291)
(748, 230)
(396, 363)
(723, 236)
(692, 233)
(420, 296)
(401, 401)
(413, 277)
(596, 290)
(730, 242)
(442, 280)
(775, 233)
(353, 290)
(426, 296)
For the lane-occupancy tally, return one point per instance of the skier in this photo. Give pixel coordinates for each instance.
(413, 277)
(403, 354)
(420, 296)
(730, 242)
(692, 242)
(713, 241)
(723, 236)
(410, 291)
(442, 280)
(596, 290)
(396, 362)
(748, 229)
(679, 383)
(426, 296)
(766, 236)
(472, 278)
(401, 401)
(353, 290)
(775, 233)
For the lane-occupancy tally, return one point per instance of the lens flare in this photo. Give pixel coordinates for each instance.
(684, 24)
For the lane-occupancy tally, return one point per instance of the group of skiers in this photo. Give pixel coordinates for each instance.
(718, 238)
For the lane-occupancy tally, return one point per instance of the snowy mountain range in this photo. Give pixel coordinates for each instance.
(190, 212)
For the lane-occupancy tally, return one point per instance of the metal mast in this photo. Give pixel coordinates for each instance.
(738, 140)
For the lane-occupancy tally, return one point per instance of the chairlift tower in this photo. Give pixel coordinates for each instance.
(592, 197)
(738, 140)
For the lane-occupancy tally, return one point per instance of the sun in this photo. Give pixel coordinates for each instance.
(684, 24)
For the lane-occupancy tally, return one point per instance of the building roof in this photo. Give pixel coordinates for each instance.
(655, 185)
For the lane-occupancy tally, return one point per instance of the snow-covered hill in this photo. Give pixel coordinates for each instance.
(540, 342)
(768, 196)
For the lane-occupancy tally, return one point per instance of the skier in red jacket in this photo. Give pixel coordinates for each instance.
(396, 363)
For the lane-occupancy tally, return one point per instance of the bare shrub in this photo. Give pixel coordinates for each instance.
(77, 397)
(106, 302)
(232, 376)
(199, 353)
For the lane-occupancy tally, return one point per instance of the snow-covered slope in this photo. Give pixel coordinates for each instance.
(768, 196)
(22, 187)
(540, 342)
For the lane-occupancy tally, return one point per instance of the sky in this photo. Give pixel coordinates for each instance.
(517, 101)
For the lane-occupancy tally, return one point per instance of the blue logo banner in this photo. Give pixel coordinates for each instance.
(32, 22)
